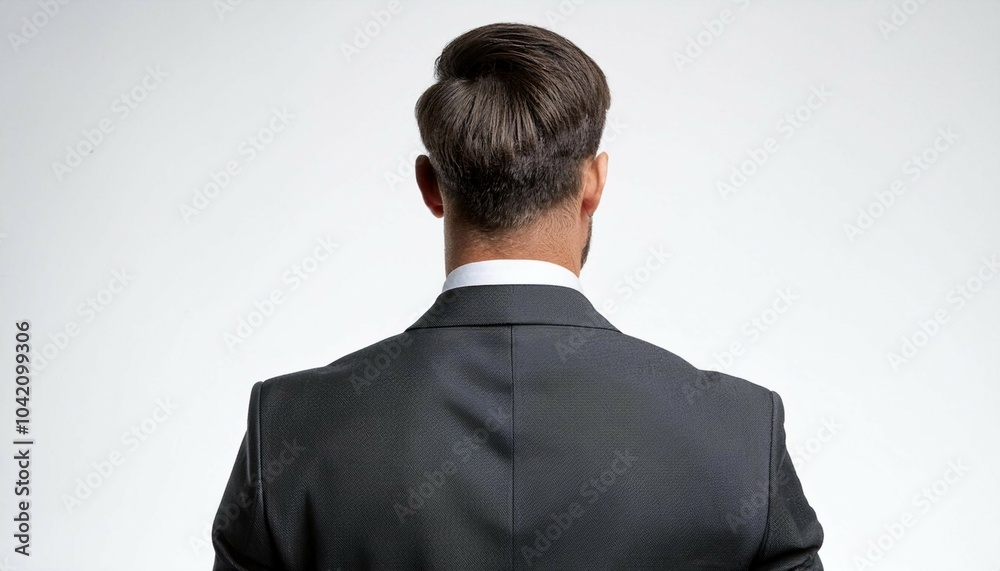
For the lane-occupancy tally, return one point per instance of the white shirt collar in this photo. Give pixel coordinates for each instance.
(488, 272)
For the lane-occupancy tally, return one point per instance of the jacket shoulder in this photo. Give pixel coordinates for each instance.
(696, 383)
(350, 373)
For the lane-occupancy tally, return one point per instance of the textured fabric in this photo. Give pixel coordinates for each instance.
(513, 427)
(511, 272)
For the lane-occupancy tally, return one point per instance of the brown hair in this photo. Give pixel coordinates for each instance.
(514, 111)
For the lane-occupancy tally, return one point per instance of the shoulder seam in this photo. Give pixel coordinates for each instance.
(258, 388)
(770, 467)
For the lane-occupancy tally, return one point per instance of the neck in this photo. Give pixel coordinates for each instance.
(463, 246)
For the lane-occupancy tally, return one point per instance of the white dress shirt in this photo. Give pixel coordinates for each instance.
(511, 272)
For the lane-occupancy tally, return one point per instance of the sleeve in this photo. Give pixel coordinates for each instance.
(792, 535)
(240, 535)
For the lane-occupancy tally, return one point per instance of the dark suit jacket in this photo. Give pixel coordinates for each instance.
(513, 427)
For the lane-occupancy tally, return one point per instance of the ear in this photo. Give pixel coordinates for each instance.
(594, 175)
(427, 182)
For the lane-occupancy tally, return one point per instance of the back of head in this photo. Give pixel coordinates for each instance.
(514, 111)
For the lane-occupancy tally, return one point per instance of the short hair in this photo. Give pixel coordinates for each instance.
(513, 113)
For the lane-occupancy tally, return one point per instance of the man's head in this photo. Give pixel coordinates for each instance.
(512, 127)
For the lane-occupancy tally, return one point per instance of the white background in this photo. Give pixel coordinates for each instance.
(867, 434)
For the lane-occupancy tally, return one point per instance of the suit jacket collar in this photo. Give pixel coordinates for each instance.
(512, 304)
